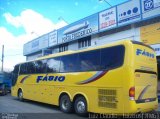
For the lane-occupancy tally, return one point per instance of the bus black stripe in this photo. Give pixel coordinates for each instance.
(140, 43)
(145, 71)
(146, 100)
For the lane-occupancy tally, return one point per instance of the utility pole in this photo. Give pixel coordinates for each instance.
(2, 57)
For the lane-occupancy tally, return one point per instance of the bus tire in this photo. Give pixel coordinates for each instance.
(80, 106)
(20, 95)
(65, 104)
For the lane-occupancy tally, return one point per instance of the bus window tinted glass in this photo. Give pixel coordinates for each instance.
(40, 66)
(23, 68)
(16, 69)
(53, 65)
(31, 68)
(69, 63)
(112, 57)
(89, 61)
(15, 75)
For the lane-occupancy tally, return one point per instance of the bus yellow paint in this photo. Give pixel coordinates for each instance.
(114, 86)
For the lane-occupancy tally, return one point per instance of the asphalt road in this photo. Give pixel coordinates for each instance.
(12, 108)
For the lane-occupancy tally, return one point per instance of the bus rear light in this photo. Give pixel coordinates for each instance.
(132, 93)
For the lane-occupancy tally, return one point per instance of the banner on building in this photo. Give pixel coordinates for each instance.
(150, 8)
(107, 19)
(36, 45)
(52, 38)
(79, 29)
(128, 12)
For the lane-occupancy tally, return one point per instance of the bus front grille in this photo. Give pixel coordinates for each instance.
(107, 98)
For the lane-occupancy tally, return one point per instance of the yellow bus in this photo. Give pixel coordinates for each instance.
(117, 78)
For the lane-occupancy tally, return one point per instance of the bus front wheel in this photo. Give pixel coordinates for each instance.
(80, 106)
(65, 104)
(20, 95)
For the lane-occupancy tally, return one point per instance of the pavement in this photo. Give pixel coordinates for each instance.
(12, 108)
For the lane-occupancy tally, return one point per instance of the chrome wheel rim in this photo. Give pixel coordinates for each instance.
(81, 106)
(65, 104)
(20, 95)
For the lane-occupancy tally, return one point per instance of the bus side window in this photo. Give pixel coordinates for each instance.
(69, 63)
(15, 75)
(53, 65)
(23, 68)
(112, 57)
(31, 68)
(89, 61)
(40, 66)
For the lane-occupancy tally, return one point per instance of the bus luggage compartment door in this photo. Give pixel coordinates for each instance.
(145, 86)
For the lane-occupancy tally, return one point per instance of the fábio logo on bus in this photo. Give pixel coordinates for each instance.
(50, 78)
(144, 53)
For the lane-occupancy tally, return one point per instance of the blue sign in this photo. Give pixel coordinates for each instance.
(148, 5)
(150, 8)
(79, 29)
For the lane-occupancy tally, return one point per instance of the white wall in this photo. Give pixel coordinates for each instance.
(131, 34)
(32, 57)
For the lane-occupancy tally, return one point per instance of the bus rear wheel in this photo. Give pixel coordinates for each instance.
(65, 104)
(80, 106)
(20, 95)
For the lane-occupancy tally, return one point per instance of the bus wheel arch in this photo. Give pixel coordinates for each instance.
(80, 104)
(65, 103)
(20, 94)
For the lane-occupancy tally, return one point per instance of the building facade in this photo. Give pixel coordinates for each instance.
(133, 20)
